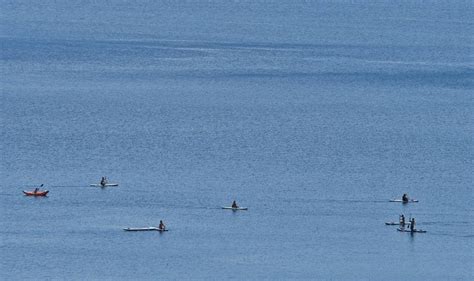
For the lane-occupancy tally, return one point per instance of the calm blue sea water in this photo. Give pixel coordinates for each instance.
(311, 113)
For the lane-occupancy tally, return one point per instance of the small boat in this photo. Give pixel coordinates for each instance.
(36, 193)
(235, 209)
(411, 231)
(151, 228)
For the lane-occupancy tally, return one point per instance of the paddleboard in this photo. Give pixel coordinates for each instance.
(396, 223)
(412, 231)
(106, 185)
(236, 209)
(151, 228)
(400, 200)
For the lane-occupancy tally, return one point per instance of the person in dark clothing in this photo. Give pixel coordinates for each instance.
(234, 204)
(162, 226)
(103, 181)
(402, 221)
(412, 224)
(405, 197)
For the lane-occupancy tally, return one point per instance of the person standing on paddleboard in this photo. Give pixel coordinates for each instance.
(412, 224)
(402, 221)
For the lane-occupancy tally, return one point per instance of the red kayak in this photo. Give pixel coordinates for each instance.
(36, 193)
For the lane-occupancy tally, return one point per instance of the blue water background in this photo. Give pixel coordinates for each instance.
(313, 114)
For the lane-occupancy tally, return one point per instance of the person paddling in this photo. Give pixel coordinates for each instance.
(402, 221)
(103, 181)
(37, 189)
(405, 198)
(162, 226)
(412, 225)
(234, 205)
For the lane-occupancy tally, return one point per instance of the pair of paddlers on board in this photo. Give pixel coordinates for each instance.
(403, 223)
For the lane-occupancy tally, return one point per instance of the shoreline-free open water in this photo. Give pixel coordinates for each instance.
(312, 115)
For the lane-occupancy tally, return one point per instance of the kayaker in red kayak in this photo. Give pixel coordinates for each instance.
(37, 189)
(36, 192)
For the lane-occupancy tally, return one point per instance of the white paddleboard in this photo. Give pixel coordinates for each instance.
(236, 209)
(401, 201)
(411, 231)
(151, 228)
(396, 223)
(106, 185)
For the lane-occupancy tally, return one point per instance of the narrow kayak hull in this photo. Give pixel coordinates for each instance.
(38, 193)
(235, 209)
(151, 228)
(411, 231)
